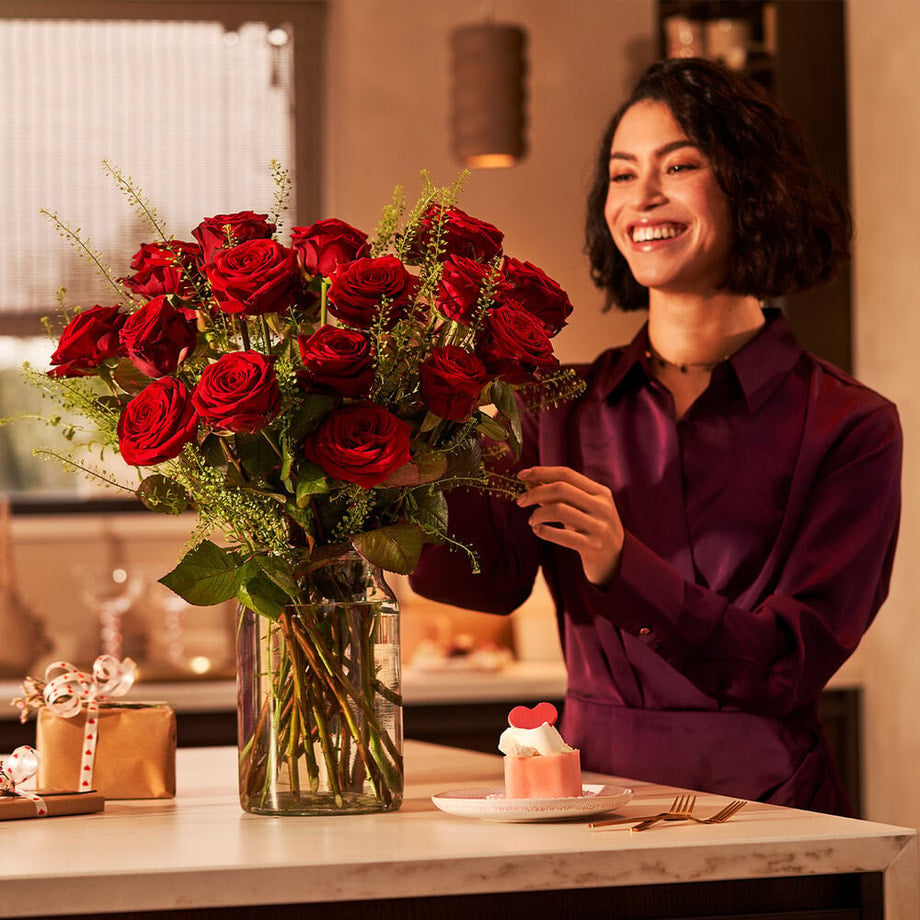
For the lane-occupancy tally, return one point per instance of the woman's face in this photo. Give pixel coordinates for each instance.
(665, 209)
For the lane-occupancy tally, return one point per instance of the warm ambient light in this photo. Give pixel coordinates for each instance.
(488, 95)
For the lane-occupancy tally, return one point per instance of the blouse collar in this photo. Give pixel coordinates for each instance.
(759, 366)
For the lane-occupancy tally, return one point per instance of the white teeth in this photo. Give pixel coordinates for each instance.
(659, 232)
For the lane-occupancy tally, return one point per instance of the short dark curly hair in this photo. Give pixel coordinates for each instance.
(792, 229)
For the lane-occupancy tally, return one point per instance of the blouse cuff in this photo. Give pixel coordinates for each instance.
(651, 600)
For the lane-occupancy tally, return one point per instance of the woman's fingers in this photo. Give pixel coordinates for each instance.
(573, 511)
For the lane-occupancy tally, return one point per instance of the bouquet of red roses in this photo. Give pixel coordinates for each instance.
(309, 395)
(314, 393)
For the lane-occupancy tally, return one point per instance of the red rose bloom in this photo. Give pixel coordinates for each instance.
(325, 245)
(224, 231)
(515, 345)
(87, 340)
(338, 361)
(537, 293)
(158, 338)
(461, 235)
(163, 268)
(452, 381)
(358, 288)
(459, 287)
(256, 277)
(238, 392)
(362, 444)
(157, 423)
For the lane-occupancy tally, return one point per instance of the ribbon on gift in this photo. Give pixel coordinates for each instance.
(20, 766)
(68, 690)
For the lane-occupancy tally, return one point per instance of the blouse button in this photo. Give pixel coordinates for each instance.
(644, 631)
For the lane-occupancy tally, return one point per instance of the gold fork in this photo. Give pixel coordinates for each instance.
(681, 807)
(722, 815)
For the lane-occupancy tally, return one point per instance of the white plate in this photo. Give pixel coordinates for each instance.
(491, 804)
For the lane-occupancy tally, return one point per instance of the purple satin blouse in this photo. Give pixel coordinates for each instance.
(760, 535)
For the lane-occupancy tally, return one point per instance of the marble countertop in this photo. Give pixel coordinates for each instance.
(201, 850)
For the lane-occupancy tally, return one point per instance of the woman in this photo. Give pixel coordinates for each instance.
(716, 516)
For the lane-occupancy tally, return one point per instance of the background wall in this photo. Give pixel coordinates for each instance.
(883, 37)
(387, 117)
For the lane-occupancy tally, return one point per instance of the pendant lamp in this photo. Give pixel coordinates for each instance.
(488, 94)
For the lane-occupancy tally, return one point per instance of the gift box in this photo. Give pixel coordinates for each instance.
(130, 752)
(56, 804)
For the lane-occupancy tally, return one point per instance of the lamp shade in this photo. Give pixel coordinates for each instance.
(488, 94)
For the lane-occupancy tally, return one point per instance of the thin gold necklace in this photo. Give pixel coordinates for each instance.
(686, 367)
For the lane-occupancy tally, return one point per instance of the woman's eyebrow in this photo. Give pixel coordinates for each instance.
(660, 152)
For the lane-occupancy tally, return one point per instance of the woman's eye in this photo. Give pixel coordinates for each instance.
(681, 167)
(620, 177)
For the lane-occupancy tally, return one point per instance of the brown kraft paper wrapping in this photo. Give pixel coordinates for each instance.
(57, 803)
(135, 751)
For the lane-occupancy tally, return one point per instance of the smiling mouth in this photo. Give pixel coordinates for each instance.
(644, 233)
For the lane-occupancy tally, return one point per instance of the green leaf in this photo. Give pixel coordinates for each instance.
(431, 513)
(311, 480)
(256, 454)
(465, 460)
(492, 429)
(129, 378)
(159, 493)
(430, 421)
(395, 548)
(312, 408)
(206, 575)
(303, 518)
(261, 595)
(507, 405)
(426, 465)
(280, 572)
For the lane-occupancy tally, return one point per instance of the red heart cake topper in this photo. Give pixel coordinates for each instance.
(527, 717)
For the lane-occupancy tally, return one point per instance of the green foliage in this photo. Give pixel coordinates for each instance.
(282, 518)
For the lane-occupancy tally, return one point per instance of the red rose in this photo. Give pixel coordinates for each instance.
(461, 235)
(158, 338)
(358, 288)
(238, 392)
(87, 340)
(361, 444)
(157, 423)
(459, 288)
(452, 381)
(515, 344)
(164, 268)
(224, 231)
(327, 244)
(338, 360)
(536, 292)
(256, 277)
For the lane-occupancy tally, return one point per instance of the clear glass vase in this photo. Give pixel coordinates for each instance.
(320, 707)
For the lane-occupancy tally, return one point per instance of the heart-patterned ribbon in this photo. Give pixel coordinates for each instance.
(21, 765)
(68, 689)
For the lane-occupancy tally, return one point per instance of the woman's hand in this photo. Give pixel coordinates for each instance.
(578, 513)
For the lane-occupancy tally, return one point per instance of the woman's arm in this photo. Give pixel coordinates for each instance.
(831, 582)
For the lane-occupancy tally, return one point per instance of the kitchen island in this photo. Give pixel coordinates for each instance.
(201, 856)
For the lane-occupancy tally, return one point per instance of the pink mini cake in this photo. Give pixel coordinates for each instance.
(538, 763)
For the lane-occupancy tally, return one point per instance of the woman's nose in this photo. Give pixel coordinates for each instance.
(649, 193)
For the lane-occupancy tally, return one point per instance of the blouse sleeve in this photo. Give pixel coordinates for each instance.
(779, 655)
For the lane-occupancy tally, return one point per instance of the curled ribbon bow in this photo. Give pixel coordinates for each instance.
(67, 689)
(21, 765)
